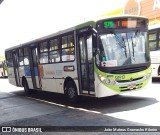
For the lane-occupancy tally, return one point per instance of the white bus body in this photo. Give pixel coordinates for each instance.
(99, 59)
(154, 43)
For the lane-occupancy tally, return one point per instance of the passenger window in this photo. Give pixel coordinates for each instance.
(9, 59)
(68, 51)
(26, 53)
(54, 50)
(68, 54)
(20, 57)
(54, 44)
(44, 47)
(44, 52)
(55, 56)
(152, 36)
(26, 59)
(44, 57)
(152, 46)
(64, 42)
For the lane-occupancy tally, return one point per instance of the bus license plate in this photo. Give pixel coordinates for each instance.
(131, 86)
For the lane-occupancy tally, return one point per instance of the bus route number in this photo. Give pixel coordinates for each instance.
(121, 77)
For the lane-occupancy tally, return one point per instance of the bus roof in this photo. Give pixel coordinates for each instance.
(119, 16)
(89, 23)
(41, 39)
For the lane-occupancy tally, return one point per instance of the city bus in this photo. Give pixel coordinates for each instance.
(154, 44)
(98, 58)
(3, 69)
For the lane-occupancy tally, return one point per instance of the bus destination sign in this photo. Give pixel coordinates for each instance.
(130, 23)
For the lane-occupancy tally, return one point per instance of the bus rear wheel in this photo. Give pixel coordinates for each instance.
(71, 92)
(26, 88)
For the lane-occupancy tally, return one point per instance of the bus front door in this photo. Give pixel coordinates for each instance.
(86, 68)
(16, 67)
(34, 68)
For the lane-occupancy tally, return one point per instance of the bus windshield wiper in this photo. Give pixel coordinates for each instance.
(121, 43)
(125, 50)
(132, 46)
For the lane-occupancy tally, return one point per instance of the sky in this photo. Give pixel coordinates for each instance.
(25, 20)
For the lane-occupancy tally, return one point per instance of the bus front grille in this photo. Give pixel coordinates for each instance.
(123, 81)
(129, 70)
(126, 88)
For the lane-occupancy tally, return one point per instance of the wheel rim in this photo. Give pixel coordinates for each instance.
(71, 92)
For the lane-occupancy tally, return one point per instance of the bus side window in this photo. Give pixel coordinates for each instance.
(26, 59)
(68, 51)
(152, 41)
(20, 52)
(44, 52)
(9, 59)
(54, 51)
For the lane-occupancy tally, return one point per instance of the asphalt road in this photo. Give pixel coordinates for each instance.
(140, 108)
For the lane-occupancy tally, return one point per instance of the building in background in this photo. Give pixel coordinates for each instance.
(146, 8)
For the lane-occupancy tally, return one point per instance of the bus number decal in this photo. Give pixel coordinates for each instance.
(121, 77)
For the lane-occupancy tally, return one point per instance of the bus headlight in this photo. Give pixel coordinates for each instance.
(102, 78)
(106, 80)
(148, 76)
(113, 82)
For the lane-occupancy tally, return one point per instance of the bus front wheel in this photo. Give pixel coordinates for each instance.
(71, 92)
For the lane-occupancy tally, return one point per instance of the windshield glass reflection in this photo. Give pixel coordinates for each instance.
(118, 49)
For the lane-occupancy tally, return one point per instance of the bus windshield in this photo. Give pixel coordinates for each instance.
(119, 49)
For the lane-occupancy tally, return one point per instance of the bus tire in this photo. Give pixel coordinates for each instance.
(71, 92)
(26, 88)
